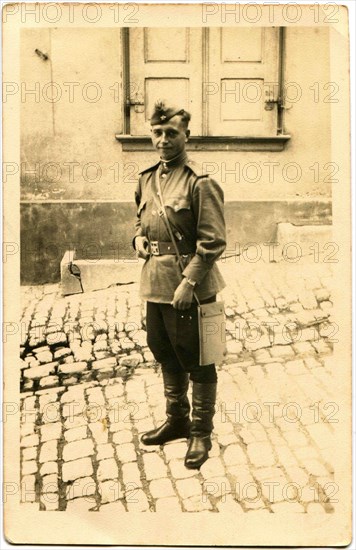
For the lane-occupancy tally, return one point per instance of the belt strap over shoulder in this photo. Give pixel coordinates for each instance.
(156, 188)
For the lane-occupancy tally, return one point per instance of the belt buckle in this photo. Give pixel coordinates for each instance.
(154, 247)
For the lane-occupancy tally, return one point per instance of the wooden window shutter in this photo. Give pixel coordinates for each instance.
(243, 74)
(165, 63)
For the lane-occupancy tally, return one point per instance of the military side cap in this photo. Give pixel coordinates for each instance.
(162, 113)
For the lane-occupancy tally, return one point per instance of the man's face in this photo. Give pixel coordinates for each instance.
(170, 138)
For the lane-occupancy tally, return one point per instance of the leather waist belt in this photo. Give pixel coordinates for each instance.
(160, 248)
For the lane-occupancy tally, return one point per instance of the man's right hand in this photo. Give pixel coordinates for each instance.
(141, 247)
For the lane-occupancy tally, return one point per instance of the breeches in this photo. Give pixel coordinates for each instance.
(173, 338)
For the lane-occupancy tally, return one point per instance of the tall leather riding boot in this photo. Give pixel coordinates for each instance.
(178, 422)
(204, 397)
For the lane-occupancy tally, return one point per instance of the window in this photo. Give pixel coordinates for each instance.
(228, 78)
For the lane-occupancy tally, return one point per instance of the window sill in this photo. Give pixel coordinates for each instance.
(210, 143)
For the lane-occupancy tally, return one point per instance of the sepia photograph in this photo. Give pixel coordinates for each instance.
(177, 274)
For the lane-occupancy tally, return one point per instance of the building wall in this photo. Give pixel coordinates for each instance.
(69, 151)
(73, 129)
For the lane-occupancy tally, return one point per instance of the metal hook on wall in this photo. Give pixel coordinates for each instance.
(40, 54)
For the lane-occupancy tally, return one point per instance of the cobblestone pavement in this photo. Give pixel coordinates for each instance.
(90, 388)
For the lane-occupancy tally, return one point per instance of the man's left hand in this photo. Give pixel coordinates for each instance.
(183, 295)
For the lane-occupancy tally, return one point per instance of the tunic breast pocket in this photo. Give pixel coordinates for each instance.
(177, 203)
(179, 211)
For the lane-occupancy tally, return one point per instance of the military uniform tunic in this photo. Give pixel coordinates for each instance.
(194, 206)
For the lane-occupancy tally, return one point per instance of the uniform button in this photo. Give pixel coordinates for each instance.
(164, 175)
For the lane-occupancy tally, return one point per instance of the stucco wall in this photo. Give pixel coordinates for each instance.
(73, 129)
(100, 230)
(78, 130)
(69, 151)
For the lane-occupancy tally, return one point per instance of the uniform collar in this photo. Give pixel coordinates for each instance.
(179, 160)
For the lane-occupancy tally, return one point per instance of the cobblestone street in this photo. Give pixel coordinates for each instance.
(90, 388)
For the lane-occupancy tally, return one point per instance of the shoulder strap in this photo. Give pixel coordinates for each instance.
(157, 191)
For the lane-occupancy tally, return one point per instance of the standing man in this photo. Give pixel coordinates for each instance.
(194, 206)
